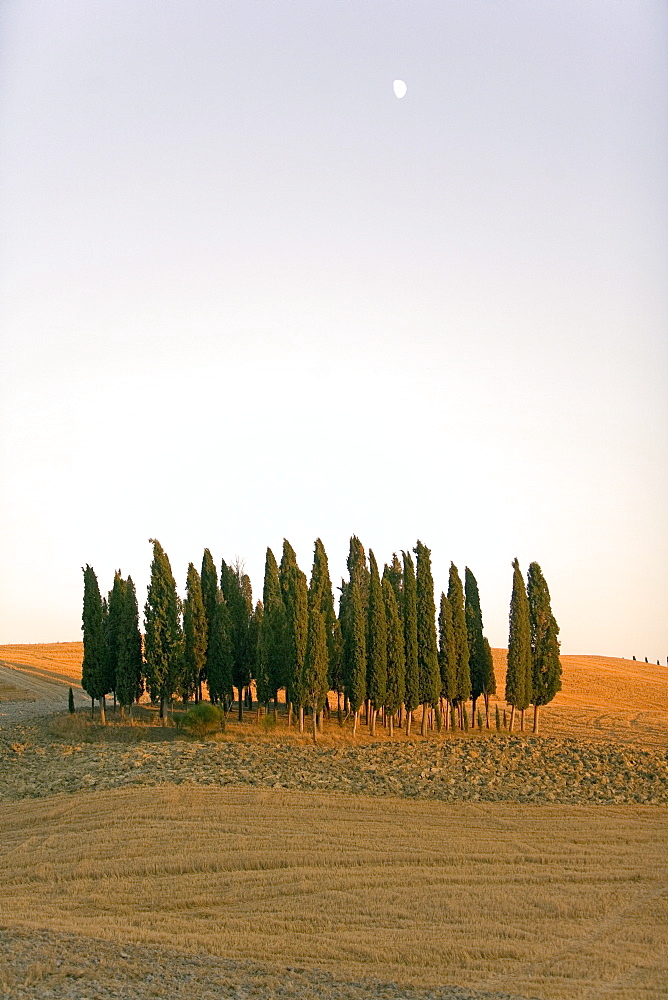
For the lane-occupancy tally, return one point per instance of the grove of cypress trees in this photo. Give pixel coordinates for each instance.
(163, 642)
(94, 653)
(447, 656)
(295, 602)
(130, 663)
(219, 655)
(376, 646)
(473, 616)
(354, 648)
(546, 665)
(314, 681)
(194, 635)
(429, 676)
(412, 683)
(456, 599)
(518, 673)
(396, 657)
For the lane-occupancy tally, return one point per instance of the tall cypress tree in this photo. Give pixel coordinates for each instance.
(395, 576)
(314, 680)
(163, 647)
(546, 665)
(396, 657)
(412, 692)
(358, 570)
(354, 647)
(456, 599)
(236, 589)
(518, 673)
(219, 663)
(194, 634)
(490, 679)
(295, 602)
(94, 655)
(113, 629)
(129, 665)
(447, 655)
(274, 636)
(376, 646)
(209, 580)
(477, 659)
(429, 677)
(320, 596)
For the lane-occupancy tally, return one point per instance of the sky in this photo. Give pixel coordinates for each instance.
(248, 294)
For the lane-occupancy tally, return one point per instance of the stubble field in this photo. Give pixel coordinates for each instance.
(256, 865)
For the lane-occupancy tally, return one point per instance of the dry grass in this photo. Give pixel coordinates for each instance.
(59, 661)
(558, 901)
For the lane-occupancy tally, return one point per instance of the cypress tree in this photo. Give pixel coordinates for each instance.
(358, 570)
(113, 629)
(320, 596)
(194, 634)
(255, 654)
(447, 655)
(163, 648)
(429, 677)
(412, 689)
(376, 646)
(70, 702)
(219, 664)
(354, 648)
(295, 602)
(236, 589)
(456, 599)
(489, 679)
(93, 666)
(473, 617)
(209, 580)
(518, 674)
(396, 657)
(314, 681)
(274, 636)
(130, 664)
(395, 576)
(546, 665)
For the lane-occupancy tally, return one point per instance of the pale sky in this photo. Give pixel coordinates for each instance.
(246, 293)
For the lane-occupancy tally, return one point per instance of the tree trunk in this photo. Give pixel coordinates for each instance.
(439, 718)
(338, 707)
(103, 717)
(391, 724)
(114, 703)
(521, 720)
(535, 718)
(487, 711)
(512, 718)
(315, 715)
(400, 717)
(366, 711)
(409, 719)
(423, 727)
(301, 718)
(241, 704)
(123, 712)
(446, 712)
(473, 701)
(355, 722)
(372, 720)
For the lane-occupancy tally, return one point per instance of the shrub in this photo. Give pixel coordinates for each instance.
(203, 718)
(70, 702)
(498, 720)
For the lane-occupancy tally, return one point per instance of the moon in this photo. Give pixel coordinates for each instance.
(399, 88)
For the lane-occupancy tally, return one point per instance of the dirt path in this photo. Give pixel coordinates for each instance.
(33, 695)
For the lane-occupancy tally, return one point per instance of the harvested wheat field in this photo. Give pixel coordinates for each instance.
(555, 902)
(58, 661)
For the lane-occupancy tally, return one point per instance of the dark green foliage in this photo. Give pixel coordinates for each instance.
(94, 653)
(456, 599)
(314, 680)
(209, 580)
(274, 637)
(130, 664)
(395, 575)
(447, 654)
(194, 634)
(354, 645)
(376, 644)
(219, 664)
(203, 719)
(236, 589)
(429, 676)
(476, 644)
(163, 645)
(295, 603)
(358, 570)
(113, 629)
(70, 702)
(396, 657)
(320, 596)
(518, 674)
(412, 687)
(546, 672)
